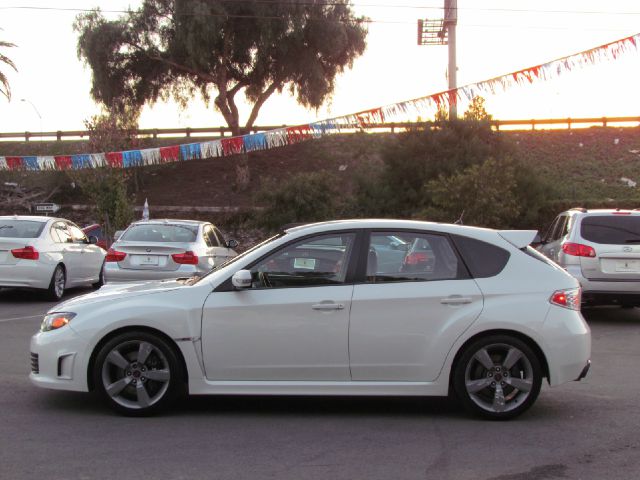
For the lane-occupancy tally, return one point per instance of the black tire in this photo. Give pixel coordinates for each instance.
(124, 382)
(56, 289)
(100, 281)
(497, 377)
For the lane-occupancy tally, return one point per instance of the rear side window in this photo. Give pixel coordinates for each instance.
(483, 259)
(20, 228)
(161, 233)
(611, 229)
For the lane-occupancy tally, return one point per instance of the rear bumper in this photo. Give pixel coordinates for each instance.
(567, 345)
(114, 274)
(606, 292)
(26, 274)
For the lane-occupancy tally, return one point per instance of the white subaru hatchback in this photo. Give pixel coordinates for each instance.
(332, 308)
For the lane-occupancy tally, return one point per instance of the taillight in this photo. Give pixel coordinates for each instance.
(114, 256)
(186, 258)
(415, 258)
(26, 253)
(567, 298)
(578, 250)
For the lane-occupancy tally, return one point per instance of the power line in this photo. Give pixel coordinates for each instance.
(416, 7)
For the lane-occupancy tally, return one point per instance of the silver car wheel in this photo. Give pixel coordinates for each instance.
(499, 378)
(59, 281)
(136, 374)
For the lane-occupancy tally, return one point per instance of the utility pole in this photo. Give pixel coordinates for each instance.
(443, 32)
(450, 22)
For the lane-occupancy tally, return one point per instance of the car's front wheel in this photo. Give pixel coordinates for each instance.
(497, 377)
(138, 373)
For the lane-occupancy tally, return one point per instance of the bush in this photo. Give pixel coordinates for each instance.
(304, 197)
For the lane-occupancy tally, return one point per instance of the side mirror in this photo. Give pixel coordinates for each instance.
(241, 279)
(232, 243)
(93, 240)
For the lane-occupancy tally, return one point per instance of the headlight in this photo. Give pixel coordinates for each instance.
(55, 321)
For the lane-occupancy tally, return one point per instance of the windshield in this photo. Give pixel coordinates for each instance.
(239, 257)
(20, 228)
(161, 233)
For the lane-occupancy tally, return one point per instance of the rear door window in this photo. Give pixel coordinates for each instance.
(611, 229)
(410, 257)
(60, 233)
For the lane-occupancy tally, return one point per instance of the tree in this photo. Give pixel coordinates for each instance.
(107, 187)
(482, 194)
(4, 89)
(477, 110)
(177, 48)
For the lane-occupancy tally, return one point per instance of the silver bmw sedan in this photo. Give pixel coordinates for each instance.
(163, 249)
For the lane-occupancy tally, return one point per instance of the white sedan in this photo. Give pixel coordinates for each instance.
(49, 254)
(311, 311)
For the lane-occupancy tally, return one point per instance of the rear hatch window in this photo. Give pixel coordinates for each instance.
(20, 228)
(611, 229)
(161, 233)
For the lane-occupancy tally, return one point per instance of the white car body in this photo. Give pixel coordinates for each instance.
(350, 339)
(81, 260)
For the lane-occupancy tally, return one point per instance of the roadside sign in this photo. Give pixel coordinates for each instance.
(46, 207)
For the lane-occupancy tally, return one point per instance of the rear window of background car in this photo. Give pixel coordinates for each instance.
(20, 228)
(483, 259)
(611, 229)
(161, 233)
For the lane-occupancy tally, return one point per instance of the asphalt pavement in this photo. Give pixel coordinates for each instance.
(581, 430)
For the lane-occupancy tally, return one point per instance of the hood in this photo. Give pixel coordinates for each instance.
(119, 291)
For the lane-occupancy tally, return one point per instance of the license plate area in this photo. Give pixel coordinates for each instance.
(145, 260)
(628, 266)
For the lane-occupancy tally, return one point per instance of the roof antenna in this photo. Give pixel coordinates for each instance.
(459, 220)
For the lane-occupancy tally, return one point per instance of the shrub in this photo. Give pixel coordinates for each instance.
(304, 197)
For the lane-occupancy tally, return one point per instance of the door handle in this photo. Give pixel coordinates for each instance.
(328, 306)
(456, 300)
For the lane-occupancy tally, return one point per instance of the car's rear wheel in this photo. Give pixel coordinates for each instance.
(57, 284)
(138, 373)
(497, 377)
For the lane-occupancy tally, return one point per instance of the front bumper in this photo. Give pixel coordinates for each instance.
(59, 360)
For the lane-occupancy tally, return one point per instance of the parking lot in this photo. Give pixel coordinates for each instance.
(585, 430)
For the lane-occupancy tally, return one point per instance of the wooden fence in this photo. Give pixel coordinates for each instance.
(531, 124)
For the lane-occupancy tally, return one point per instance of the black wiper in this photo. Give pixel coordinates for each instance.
(633, 240)
(5, 226)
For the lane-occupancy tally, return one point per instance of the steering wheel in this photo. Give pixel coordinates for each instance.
(264, 279)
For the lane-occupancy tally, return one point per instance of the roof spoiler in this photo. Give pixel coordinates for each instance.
(519, 238)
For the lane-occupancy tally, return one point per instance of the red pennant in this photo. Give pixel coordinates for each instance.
(231, 146)
(14, 163)
(114, 159)
(63, 162)
(169, 154)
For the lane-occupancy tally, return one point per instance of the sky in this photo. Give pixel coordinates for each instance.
(495, 37)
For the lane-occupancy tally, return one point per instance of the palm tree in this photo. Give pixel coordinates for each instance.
(4, 82)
